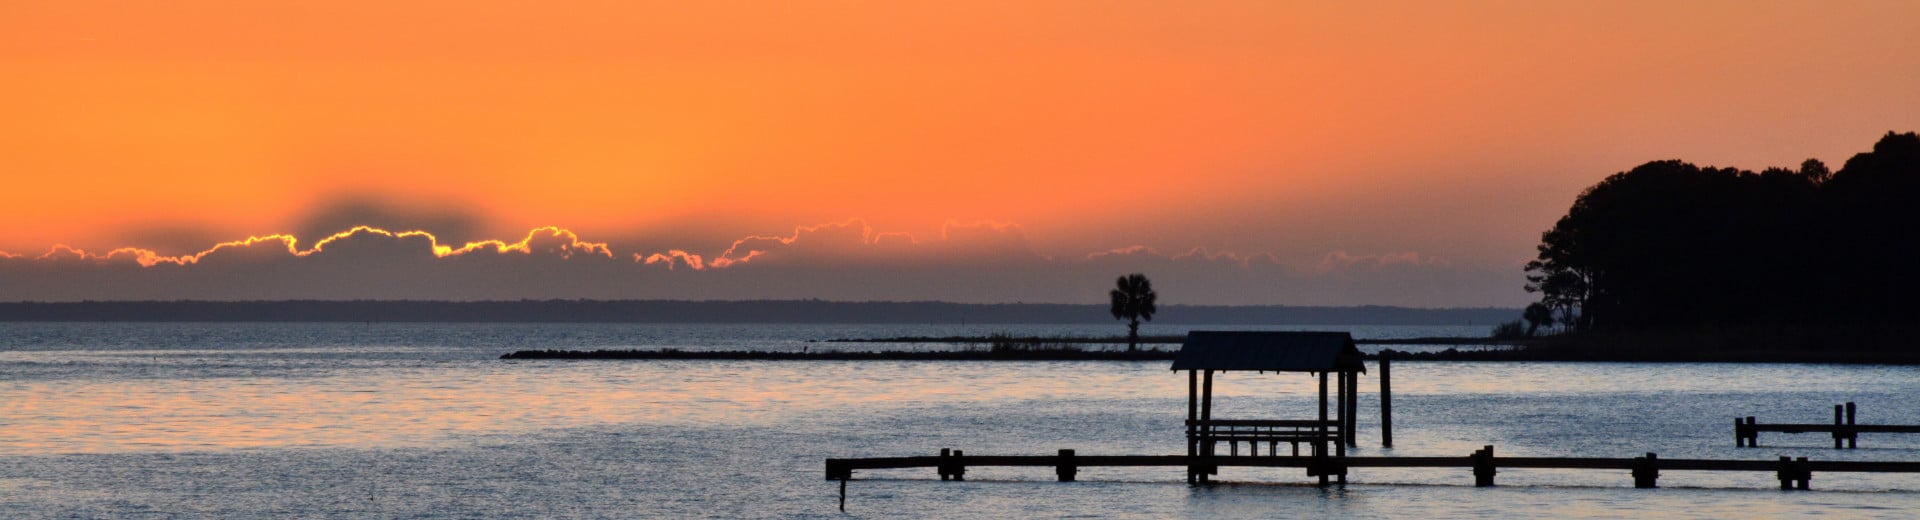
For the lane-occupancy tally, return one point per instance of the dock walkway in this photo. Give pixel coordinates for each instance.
(1645, 470)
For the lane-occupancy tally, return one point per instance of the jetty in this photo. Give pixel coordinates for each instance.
(1746, 433)
(1318, 444)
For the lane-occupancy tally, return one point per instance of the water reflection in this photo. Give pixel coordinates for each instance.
(424, 405)
(446, 428)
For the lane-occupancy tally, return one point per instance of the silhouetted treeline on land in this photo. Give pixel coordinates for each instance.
(665, 311)
(1163, 340)
(1752, 256)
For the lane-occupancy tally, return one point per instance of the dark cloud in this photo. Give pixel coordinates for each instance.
(171, 239)
(450, 224)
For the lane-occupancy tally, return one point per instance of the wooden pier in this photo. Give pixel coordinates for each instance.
(1330, 430)
(1645, 470)
(1746, 433)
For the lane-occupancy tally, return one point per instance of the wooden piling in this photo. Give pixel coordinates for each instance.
(1351, 417)
(843, 495)
(1386, 398)
(1853, 437)
(839, 469)
(1483, 466)
(1646, 471)
(946, 464)
(951, 466)
(1206, 432)
(1806, 474)
(1839, 434)
(1793, 474)
(1067, 468)
(1340, 407)
(959, 467)
(1193, 414)
(1320, 445)
(1753, 434)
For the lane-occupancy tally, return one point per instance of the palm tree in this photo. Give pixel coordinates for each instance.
(1133, 301)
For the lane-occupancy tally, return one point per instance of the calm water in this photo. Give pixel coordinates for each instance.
(422, 421)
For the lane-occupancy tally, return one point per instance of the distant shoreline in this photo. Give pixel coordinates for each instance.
(1144, 340)
(1489, 355)
(1010, 348)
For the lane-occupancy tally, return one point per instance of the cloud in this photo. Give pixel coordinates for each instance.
(849, 260)
(672, 258)
(348, 211)
(856, 242)
(546, 240)
(1344, 262)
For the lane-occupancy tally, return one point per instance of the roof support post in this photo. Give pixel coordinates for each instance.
(1386, 398)
(1193, 430)
(1320, 443)
(1206, 430)
(1351, 429)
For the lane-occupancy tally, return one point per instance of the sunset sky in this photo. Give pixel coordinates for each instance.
(1235, 152)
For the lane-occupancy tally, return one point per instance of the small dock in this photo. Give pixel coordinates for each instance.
(1318, 443)
(1746, 432)
(1645, 470)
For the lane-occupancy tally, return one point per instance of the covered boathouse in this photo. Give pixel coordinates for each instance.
(1321, 353)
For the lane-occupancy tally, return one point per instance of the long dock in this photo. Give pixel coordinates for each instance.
(1844, 430)
(1645, 470)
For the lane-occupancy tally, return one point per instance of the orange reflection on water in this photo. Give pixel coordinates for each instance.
(436, 403)
(418, 403)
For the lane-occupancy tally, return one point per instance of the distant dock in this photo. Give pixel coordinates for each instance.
(1746, 433)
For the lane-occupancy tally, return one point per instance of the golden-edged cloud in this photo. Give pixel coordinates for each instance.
(558, 240)
(982, 261)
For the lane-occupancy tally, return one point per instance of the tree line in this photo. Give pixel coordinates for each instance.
(1669, 244)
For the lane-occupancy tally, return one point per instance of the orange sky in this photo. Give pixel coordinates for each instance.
(1455, 130)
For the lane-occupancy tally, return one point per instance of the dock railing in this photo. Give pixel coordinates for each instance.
(1206, 434)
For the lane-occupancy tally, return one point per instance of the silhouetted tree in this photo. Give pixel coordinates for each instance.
(1133, 299)
(1537, 315)
(1875, 231)
(1815, 171)
(1670, 244)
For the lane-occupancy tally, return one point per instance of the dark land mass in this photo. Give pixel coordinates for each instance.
(762, 311)
(1671, 246)
(1671, 261)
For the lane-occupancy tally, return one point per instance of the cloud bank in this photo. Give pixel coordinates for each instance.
(966, 262)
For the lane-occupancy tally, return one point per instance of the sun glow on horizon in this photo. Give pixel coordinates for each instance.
(696, 134)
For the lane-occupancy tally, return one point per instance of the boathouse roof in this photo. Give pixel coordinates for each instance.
(1279, 351)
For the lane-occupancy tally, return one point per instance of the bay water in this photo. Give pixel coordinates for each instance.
(300, 420)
